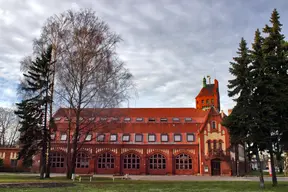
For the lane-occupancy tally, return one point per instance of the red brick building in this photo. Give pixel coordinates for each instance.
(184, 141)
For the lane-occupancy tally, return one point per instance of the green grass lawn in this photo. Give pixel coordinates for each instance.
(107, 185)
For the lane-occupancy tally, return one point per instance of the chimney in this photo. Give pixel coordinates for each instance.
(229, 111)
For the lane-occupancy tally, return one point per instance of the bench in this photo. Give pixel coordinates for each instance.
(83, 176)
(121, 176)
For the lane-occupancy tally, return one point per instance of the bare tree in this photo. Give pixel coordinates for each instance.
(90, 73)
(9, 125)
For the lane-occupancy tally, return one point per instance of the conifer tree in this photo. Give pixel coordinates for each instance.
(37, 82)
(275, 100)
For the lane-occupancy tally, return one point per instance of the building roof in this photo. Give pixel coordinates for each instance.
(207, 91)
(196, 114)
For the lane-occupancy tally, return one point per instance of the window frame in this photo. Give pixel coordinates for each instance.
(138, 134)
(188, 119)
(65, 137)
(98, 135)
(125, 135)
(116, 137)
(164, 134)
(89, 134)
(190, 134)
(139, 119)
(152, 134)
(213, 123)
(163, 120)
(177, 134)
(151, 120)
(127, 119)
(176, 119)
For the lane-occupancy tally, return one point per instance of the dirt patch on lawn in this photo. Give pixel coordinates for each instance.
(35, 185)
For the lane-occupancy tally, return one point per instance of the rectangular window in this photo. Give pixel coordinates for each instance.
(126, 138)
(207, 101)
(212, 101)
(63, 137)
(202, 101)
(113, 137)
(164, 138)
(151, 119)
(52, 136)
(88, 137)
(13, 162)
(138, 138)
(213, 125)
(103, 119)
(188, 119)
(91, 118)
(115, 118)
(100, 137)
(190, 137)
(127, 119)
(163, 119)
(151, 137)
(139, 119)
(175, 119)
(177, 137)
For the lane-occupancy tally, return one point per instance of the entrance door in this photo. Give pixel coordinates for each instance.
(215, 167)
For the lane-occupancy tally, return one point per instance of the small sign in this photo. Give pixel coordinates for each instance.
(206, 169)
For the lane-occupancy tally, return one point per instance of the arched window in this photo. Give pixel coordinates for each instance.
(157, 161)
(131, 161)
(220, 144)
(209, 145)
(214, 144)
(106, 161)
(82, 160)
(57, 160)
(183, 161)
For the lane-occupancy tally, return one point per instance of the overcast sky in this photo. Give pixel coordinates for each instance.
(168, 45)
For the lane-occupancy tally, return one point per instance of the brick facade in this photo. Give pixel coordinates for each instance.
(161, 141)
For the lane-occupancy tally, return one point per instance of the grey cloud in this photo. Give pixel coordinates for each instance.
(168, 45)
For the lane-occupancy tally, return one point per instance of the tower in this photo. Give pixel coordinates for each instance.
(208, 96)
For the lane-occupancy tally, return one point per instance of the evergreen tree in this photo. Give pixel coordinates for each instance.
(31, 117)
(38, 84)
(239, 86)
(274, 93)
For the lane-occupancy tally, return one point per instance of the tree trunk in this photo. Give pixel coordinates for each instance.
(44, 145)
(274, 177)
(260, 167)
(68, 160)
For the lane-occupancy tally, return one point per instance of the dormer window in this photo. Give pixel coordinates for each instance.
(127, 119)
(151, 120)
(202, 101)
(139, 119)
(175, 119)
(207, 101)
(57, 119)
(188, 119)
(115, 118)
(91, 118)
(212, 101)
(213, 125)
(163, 119)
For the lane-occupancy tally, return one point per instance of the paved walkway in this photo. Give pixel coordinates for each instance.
(172, 177)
